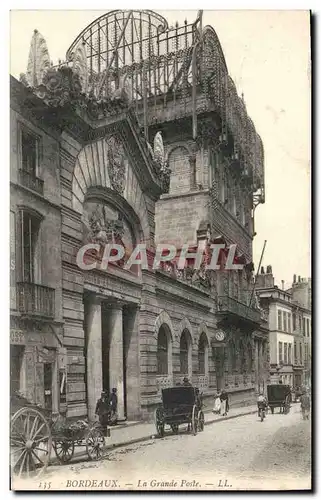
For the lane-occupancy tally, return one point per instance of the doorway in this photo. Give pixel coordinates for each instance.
(16, 359)
(47, 376)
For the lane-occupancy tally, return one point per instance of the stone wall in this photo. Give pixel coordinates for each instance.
(177, 218)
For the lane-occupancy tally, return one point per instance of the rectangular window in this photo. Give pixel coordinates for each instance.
(304, 330)
(290, 354)
(300, 323)
(284, 321)
(279, 320)
(280, 352)
(289, 322)
(30, 226)
(308, 327)
(295, 352)
(12, 260)
(301, 354)
(29, 152)
(285, 355)
(294, 321)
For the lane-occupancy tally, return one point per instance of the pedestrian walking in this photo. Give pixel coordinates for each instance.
(305, 405)
(113, 406)
(224, 402)
(103, 410)
(217, 404)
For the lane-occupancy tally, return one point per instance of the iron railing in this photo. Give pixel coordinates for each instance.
(229, 305)
(30, 181)
(36, 299)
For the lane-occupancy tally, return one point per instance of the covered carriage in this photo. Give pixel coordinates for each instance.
(279, 396)
(180, 405)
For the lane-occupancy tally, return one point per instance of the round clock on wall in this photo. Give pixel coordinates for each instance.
(220, 335)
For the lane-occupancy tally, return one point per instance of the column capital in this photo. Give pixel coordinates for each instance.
(114, 305)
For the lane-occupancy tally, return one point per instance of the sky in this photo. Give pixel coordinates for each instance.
(268, 56)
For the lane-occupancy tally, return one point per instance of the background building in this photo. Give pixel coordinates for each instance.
(139, 136)
(289, 313)
(301, 292)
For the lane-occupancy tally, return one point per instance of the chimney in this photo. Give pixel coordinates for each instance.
(299, 279)
(294, 278)
(282, 281)
(262, 270)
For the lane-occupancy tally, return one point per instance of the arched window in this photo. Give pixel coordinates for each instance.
(202, 354)
(162, 352)
(184, 352)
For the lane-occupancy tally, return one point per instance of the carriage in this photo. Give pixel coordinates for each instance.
(34, 432)
(279, 396)
(180, 405)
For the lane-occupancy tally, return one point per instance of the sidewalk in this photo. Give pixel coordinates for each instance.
(129, 433)
(136, 432)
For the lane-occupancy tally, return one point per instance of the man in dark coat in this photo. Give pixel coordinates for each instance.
(103, 409)
(186, 382)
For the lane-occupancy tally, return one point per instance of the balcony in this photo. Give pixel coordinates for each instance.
(30, 181)
(36, 300)
(231, 307)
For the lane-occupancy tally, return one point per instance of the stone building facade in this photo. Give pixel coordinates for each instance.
(88, 173)
(289, 313)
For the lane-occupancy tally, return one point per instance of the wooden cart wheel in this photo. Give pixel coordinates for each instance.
(201, 420)
(95, 444)
(194, 420)
(174, 428)
(30, 443)
(159, 422)
(64, 450)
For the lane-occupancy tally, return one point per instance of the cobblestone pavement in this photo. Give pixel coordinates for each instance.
(243, 453)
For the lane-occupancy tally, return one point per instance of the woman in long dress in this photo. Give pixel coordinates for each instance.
(217, 404)
(224, 403)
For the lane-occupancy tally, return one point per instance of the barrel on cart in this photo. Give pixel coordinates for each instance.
(279, 396)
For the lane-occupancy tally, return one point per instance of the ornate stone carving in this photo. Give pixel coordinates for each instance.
(38, 62)
(103, 230)
(158, 158)
(79, 59)
(116, 164)
(60, 87)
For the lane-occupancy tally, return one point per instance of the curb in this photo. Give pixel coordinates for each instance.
(152, 437)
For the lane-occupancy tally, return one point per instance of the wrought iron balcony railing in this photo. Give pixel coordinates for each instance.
(36, 300)
(31, 181)
(228, 305)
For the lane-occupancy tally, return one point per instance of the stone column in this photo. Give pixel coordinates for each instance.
(94, 356)
(116, 356)
(260, 361)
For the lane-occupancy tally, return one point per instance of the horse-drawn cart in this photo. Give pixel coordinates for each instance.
(179, 405)
(279, 396)
(66, 436)
(34, 432)
(30, 437)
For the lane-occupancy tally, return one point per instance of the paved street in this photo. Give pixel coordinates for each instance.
(242, 453)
